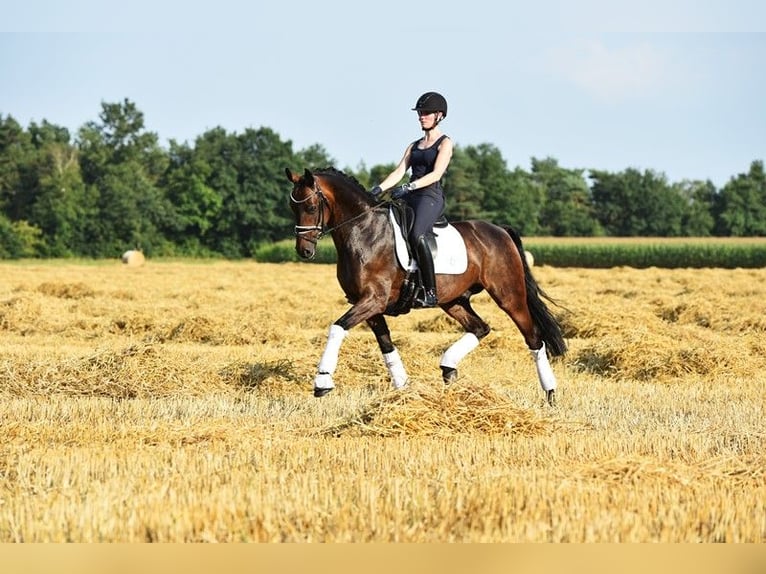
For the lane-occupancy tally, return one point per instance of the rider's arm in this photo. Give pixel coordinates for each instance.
(396, 176)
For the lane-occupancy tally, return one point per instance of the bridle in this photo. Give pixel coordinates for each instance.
(319, 225)
(320, 221)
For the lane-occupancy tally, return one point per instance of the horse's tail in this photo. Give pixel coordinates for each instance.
(546, 322)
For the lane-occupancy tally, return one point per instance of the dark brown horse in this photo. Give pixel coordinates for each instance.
(328, 201)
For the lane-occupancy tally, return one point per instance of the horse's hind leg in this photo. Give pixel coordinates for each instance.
(518, 311)
(476, 329)
(390, 355)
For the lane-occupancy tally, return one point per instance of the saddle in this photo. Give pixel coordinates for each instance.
(404, 216)
(451, 260)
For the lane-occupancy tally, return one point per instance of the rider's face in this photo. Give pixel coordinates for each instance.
(426, 118)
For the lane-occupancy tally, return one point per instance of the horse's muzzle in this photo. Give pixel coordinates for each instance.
(305, 250)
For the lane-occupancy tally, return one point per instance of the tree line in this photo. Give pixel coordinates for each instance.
(113, 187)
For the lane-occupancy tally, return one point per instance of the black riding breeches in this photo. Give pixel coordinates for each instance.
(428, 207)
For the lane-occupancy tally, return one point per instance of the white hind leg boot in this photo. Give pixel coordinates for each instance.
(544, 370)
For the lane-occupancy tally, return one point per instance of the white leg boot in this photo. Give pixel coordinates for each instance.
(323, 382)
(396, 369)
(544, 370)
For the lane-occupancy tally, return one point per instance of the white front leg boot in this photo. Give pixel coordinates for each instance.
(458, 350)
(323, 382)
(395, 369)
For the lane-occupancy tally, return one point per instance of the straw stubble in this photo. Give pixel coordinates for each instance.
(172, 402)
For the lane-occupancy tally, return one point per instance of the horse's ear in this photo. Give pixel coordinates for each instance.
(291, 176)
(308, 177)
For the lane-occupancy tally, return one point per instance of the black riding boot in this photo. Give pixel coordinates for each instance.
(426, 265)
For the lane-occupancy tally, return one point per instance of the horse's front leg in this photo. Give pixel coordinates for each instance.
(390, 355)
(476, 329)
(323, 382)
(364, 309)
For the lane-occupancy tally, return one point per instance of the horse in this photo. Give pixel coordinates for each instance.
(327, 201)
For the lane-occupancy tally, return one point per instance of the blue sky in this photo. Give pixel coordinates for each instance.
(676, 86)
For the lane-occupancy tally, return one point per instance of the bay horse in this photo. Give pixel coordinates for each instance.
(329, 201)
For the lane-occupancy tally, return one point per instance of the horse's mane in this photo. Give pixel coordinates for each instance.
(336, 172)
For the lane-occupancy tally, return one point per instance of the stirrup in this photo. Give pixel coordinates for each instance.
(428, 299)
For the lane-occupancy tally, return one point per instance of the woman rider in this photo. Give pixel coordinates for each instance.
(428, 157)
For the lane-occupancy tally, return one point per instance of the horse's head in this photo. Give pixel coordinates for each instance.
(325, 201)
(308, 205)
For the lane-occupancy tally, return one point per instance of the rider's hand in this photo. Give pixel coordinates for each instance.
(400, 191)
(376, 192)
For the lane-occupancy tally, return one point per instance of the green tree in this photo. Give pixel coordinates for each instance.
(479, 185)
(567, 209)
(18, 239)
(11, 245)
(314, 156)
(742, 206)
(524, 202)
(40, 186)
(219, 152)
(463, 186)
(632, 203)
(247, 172)
(262, 206)
(16, 158)
(61, 205)
(700, 198)
(121, 166)
(55, 201)
(511, 197)
(195, 205)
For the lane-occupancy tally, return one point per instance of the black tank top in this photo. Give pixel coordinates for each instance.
(422, 161)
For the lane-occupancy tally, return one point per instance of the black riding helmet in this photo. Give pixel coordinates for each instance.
(431, 102)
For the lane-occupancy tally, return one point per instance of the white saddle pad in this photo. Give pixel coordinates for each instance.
(451, 257)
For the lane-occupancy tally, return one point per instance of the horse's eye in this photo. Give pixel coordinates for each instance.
(311, 209)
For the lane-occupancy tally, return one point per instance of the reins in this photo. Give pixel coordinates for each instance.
(320, 224)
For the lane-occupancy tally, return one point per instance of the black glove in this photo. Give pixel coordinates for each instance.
(376, 192)
(400, 191)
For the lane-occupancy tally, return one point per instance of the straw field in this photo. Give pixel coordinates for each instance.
(171, 402)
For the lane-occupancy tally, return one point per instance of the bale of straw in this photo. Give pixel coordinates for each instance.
(133, 257)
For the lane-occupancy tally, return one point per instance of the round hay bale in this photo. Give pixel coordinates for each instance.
(530, 258)
(134, 258)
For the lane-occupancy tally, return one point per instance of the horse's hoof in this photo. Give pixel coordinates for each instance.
(551, 397)
(320, 392)
(449, 374)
